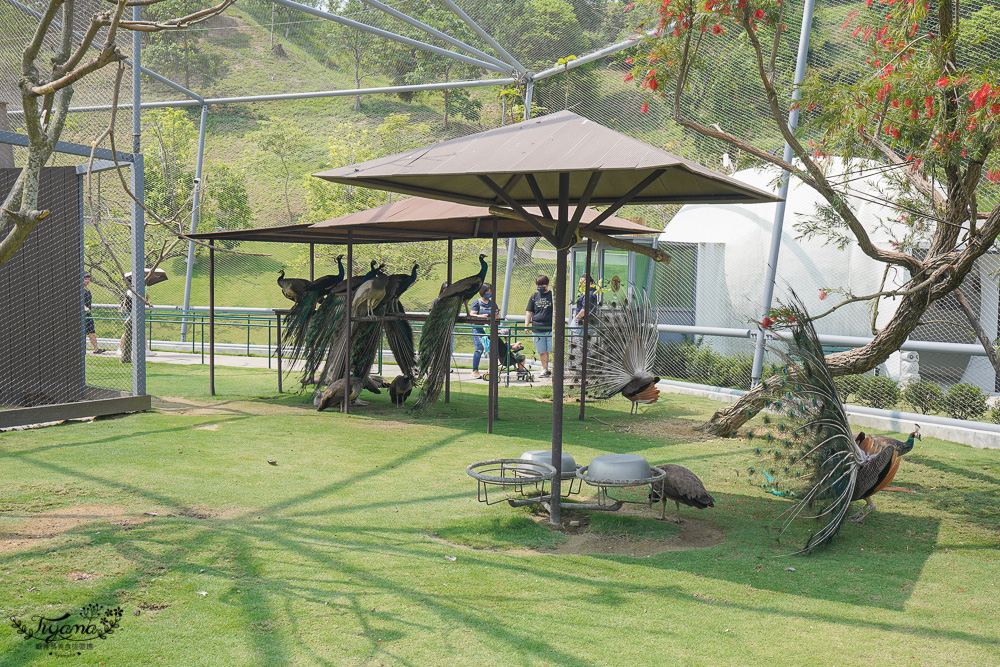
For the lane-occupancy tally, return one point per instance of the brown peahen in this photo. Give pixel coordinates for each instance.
(435, 337)
(399, 389)
(681, 486)
(292, 288)
(334, 394)
(621, 350)
(808, 453)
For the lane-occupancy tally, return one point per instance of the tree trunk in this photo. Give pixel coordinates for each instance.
(991, 353)
(726, 421)
(522, 251)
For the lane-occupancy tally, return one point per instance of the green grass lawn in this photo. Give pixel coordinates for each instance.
(339, 554)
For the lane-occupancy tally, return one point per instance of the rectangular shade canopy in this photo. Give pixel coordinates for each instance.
(545, 147)
(412, 220)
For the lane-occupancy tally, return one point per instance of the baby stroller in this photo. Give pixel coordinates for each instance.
(508, 357)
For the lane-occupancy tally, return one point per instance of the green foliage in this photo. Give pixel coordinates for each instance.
(699, 363)
(925, 396)
(178, 54)
(878, 391)
(995, 413)
(848, 385)
(965, 401)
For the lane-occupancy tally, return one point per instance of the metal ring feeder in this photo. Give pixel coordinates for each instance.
(609, 503)
(512, 475)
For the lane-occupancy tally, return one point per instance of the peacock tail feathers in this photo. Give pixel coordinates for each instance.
(621, 347)
(803, 447)
(435, 348)
(399, 336)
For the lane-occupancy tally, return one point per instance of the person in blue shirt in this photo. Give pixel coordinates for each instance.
(582, 305)
(483, 308)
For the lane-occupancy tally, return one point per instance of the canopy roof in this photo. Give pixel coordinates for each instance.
(541, 149)
(412, 220)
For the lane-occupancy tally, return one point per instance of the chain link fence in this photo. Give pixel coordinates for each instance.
(259, 154)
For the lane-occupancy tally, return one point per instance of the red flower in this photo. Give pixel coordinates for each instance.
(791, 319)
(645, 107)
(628, 77)
(943, 81)
(995, 109)
(759, 14)
(993, 176)
(822, 293)
(766, 323)
(717, 29)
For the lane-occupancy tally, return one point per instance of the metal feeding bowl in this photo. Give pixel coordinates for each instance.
(619, 470)
(568, 468)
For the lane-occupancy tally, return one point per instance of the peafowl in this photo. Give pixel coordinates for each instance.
(292, 288)
(399, 389)
(369, 295)
(621, 350)
(297, 324)
(809, 453)
(334, 394)
(873, 444)
(398, 332)
(327, 338)
(435, 338)
(681, 486)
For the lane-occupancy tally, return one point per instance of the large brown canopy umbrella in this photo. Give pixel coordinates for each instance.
(555, 160)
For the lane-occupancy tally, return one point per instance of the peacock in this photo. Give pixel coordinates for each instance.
(292, 288)
(299, 318)
(681, 486)
(620, 353)
(808, 453)
(334, 394)
(398, 332)
(435, 338)
(873, 444)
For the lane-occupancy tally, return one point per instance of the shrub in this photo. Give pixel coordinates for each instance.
(995, 413)
(965, 401)
(925, 396)
(878, 391)
(847, 385)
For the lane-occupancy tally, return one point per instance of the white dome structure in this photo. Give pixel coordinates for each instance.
(732, 243)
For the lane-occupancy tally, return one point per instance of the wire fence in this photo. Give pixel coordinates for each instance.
(259, 155)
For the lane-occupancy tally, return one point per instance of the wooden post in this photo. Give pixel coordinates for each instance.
(312, 261)
(211, 321)
(493, 398)
(451, 352)
(586, 332)
(347, 329)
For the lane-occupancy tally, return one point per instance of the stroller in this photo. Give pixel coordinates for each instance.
(508, 357)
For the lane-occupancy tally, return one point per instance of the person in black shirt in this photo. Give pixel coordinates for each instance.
(88, 320)
(481, 307)
(538, 319)
(582, 305)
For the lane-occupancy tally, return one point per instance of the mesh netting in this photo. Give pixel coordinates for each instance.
(259, 156)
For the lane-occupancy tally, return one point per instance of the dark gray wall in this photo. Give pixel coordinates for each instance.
(41, 299)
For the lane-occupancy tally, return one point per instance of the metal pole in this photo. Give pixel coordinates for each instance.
(312, 261)
(195, 217)
(586, 332)
(336, 18)
(493, 398)
(138, 223)
(508, 273)
(779, 212)
(482, 33)
(211, 321)
(278, 315)
(528, 89)
(447, 378)
(558, 359)
(347, 332)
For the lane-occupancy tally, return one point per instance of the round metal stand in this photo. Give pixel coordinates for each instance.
(512, 476)
(609, 503)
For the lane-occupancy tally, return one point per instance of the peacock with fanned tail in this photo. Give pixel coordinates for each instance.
(807, 453)
(621, 349)
(435, 337)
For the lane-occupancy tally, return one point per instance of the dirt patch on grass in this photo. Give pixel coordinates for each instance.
(175, 405)
(675, 430)
(694, 535)
(41, 528)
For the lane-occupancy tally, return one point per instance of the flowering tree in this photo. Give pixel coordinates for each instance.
(917, 101)
(46, 95)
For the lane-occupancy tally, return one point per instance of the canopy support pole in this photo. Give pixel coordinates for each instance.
(211, 320)
(312, 261)
(586, 331)
(558, 363)
(493, 400)
(347, 332)
(451, 343)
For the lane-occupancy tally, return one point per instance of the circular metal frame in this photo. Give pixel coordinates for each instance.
(529, 472)
(655, 476)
